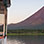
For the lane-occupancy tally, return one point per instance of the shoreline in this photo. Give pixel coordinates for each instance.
(10, 34)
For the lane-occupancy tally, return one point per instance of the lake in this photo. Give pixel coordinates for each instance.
(25, 40)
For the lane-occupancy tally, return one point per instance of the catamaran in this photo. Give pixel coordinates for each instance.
(3, 20)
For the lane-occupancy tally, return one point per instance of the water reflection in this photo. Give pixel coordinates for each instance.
(25, 40)
(15, 42)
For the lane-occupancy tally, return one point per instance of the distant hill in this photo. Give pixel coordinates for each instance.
(36, 21)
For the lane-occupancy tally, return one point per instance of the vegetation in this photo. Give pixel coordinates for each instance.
(25, 32)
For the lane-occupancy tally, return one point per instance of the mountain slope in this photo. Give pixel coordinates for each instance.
(36, 21)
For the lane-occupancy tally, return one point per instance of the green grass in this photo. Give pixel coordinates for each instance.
(25, 34)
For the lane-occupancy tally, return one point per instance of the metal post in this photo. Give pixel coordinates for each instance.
(5, 26)
(5, 23)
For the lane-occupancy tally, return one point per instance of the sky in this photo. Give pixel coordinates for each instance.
(22, 9)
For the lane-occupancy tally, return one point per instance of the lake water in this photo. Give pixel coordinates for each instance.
(25, 40)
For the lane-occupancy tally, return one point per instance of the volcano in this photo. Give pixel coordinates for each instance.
(36, 21)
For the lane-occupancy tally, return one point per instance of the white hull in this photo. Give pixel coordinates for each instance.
(3, 40)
